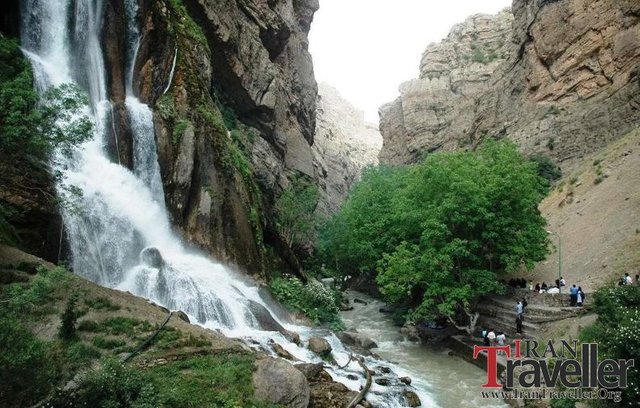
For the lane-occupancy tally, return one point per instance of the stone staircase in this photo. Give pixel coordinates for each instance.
(499, 313)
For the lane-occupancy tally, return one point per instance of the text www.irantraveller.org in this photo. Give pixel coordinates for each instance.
(577, 370)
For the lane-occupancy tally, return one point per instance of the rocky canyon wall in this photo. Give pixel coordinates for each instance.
(234, 98)
(560, 78)
(344, 145)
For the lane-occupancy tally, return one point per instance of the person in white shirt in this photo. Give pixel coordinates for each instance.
(627, 279)
(492, 337)
(501, 338)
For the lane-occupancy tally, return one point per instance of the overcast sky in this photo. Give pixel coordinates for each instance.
(366, 48)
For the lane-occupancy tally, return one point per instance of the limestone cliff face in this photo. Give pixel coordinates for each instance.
(344, 144)
(438, 109)
(564, 81)
(233, 91)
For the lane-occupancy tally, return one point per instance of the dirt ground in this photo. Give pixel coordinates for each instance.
(595, 209)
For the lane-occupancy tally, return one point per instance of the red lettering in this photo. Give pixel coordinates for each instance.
(492, 363)
(517, 342)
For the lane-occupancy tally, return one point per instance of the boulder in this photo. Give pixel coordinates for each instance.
(356, 339)
(279, 382)
(152, 258)
(266, 321)
(330, 395)
(405, 380)
(319, 345)
(412, 398)
(281, 352)
(309, 370)
(182, 316)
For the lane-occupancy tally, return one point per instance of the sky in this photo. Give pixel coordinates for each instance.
(367, 48)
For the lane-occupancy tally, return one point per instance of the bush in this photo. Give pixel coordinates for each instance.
(617, 333)
(315, 300)
(27, 369)
(32, 297)
(547, 169)
(67, 330)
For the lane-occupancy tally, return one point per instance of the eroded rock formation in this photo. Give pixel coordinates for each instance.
(234, 98)
(562, 80)
(344, 144)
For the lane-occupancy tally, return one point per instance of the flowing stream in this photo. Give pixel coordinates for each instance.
(448, 380)
(118, 228)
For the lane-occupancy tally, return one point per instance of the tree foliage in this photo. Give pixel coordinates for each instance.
(294, 211)
(31, 124)
(440, 233)
(617, 333)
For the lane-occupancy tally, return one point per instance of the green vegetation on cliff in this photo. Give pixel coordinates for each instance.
(31, 127)
(441, 233)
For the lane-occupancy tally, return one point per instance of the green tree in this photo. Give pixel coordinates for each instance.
(32, 125)
(441, 233)
(294, 211)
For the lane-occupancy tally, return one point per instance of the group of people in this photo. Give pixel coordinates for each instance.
(627, 280)
(577, 295)
(490, 338)
(544, 288)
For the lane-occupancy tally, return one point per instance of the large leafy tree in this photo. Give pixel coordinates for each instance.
(441, 233)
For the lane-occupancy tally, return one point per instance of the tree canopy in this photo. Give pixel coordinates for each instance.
(440, 234)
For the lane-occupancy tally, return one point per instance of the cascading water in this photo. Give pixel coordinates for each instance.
(118, 228)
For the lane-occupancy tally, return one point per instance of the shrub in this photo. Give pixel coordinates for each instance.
(67, 330)
(617, 333)
(32, 297)
(547, 169)
(27, 369)
(315, 300)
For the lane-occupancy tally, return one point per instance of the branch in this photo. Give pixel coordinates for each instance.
(364, 391)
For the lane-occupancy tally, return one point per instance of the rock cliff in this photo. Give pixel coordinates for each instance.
(559, 78)
(344, 144)
(234, 95)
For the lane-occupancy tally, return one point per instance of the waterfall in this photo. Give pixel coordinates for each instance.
(118, 228)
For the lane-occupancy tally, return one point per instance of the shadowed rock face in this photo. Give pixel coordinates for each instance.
(558, 78)
(248, 57)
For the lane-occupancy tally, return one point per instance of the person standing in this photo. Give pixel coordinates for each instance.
(562, 281)
(501, 338)
(492, 337)
(518, 325)
(519, 309)
(574, 295)
(627, 279)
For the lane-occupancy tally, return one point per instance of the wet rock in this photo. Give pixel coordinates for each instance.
(319, 345)
(152, 258)
(353, 377)
(264, 318)
(383, 369)
(411, 331)
(412, 398)
(279, 382)
(356, 339)
(292, 337)
(405, 380)
(182, 316)
(356, 300)
(386, 309)
(281, 352)
(309, 370)
(330, 395)
(383, 381)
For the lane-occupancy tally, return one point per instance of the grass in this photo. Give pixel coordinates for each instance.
(106, 343)
(101, 303)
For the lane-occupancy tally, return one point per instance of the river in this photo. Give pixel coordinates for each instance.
(450, 381)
